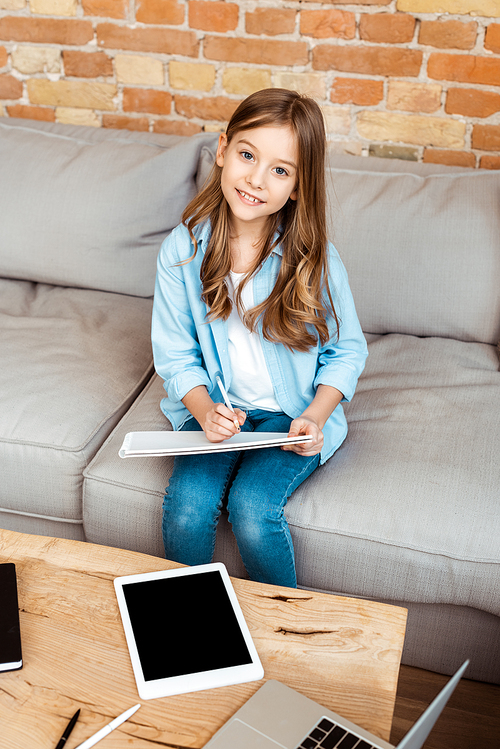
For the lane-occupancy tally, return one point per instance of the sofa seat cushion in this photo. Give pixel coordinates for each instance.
(406, 509)
(122, 498)
(72, 362)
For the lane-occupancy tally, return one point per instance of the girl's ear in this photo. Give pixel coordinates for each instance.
(293, 195)
(221, 149)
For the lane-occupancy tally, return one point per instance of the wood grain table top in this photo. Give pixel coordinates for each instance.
(342, 652)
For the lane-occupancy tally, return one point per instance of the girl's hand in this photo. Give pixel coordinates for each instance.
(305, 425)
(313, 419)
(217, 421)
(220, 423)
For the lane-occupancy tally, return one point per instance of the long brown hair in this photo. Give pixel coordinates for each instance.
(295, 313)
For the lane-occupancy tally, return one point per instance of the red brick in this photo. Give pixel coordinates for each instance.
(486, 137)
(390, 28)
(448, 34)
(176, 127)
(492, 39)
(489, 162)
(87, 65)
(449, 158)
(159, 11)
(270, 21)
(323, 24)
(121, 122)
(215, 108)
(45, 30)
(164, 41)
(3, 57)
(357, 2)
(108, 8)
(471, 102)
(464, 68)
(146, 100)
(213, 16)
(371, 60)
(364, 93)
(32, 113)
(10, 87)
(260, 51)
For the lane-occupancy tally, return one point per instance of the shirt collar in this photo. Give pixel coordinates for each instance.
(203, 231)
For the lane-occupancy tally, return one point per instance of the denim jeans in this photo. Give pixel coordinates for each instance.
(255, 484)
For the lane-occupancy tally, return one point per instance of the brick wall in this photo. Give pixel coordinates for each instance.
(414, 79)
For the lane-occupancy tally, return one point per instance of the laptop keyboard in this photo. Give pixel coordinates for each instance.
(328, 735)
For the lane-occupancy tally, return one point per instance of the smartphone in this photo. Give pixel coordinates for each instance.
(11, 658)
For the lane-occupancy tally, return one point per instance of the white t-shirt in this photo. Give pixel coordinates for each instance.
(251, 385)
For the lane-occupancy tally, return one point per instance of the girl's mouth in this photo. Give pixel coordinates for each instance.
(249, 198)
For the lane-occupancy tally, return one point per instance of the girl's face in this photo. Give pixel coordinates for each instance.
(259, 173)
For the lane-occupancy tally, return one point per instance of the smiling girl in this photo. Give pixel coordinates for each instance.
(249, 289)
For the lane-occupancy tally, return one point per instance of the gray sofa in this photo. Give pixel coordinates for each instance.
(407, 510)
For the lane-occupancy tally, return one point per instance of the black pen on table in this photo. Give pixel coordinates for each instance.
(62, 741)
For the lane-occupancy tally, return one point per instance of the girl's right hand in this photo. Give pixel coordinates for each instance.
(216, 419)
(220, 423)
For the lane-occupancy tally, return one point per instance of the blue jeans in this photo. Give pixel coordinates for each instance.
(255, 484)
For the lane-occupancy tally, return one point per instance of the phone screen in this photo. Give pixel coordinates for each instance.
(10, 632)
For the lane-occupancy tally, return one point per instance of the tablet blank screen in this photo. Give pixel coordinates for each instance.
(184, 625)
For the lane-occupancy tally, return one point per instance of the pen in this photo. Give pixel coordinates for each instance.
(107, 729)
(227, 402)
(67, 731)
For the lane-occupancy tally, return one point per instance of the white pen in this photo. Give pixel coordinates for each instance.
(107, 729)
(227, 402)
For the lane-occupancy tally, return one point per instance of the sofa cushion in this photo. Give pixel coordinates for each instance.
(88, 207)
(72, 362)
(405, 508)
(135, 485)
(421, 246)
(408, 507)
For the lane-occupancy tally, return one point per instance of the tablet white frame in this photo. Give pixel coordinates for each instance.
(188, 682)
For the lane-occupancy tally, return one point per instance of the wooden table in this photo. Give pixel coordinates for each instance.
(342, 652)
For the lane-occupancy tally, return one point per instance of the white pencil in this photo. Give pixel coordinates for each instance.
(107, 729)
(227, 402)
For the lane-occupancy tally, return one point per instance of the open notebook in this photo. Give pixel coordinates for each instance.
(141, 444)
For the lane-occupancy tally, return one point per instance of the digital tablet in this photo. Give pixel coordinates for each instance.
(185, 631)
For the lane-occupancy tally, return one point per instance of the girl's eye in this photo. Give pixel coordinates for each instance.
(280, 171)
(246, 155)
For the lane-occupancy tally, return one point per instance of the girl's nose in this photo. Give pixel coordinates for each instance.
(255, 179)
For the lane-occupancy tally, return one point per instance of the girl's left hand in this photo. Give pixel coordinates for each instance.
(305, 425)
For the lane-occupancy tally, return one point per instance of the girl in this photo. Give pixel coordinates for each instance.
(249, 289)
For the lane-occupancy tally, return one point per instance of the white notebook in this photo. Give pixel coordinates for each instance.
(141, 444)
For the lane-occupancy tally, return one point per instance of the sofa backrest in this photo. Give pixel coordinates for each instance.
(421, 245)
(90, 207)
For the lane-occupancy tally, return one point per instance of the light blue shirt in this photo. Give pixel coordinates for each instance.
(190, 351)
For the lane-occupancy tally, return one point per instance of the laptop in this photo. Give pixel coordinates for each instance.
(277, 716)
